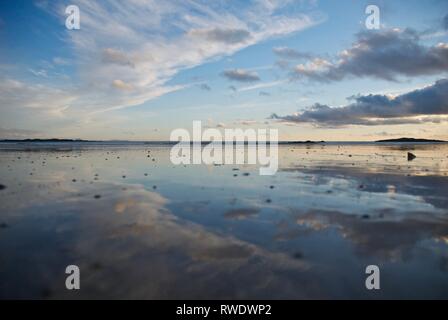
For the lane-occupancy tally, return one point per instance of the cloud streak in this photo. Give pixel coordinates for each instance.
(291, 54)
(126, 54)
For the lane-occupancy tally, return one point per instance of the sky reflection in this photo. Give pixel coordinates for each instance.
(163, 231)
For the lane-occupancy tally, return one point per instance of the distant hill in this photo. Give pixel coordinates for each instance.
(410, 140)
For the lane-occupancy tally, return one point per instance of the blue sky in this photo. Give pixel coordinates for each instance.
(138, 69)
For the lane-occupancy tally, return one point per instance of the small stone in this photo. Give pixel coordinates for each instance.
(298, 255)
(2, 187)
(97, 196)
(411, 156)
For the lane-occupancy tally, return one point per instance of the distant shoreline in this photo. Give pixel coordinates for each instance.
(307, 142)
(411, 140)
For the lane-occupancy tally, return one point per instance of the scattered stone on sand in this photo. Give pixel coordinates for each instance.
(411, 156)
(73, 180)
(146, 174)
(123, 176)
(271, 187)
(2, 187)
(365, 216)
(97, 196)
(3, 225)
(235, 169)
(298, 255)
(154, 187)
(235, 175)
(246, 174)
(268, 200)
(361, 186)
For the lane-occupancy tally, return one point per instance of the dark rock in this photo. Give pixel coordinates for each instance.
(411, 156)
(298, 255)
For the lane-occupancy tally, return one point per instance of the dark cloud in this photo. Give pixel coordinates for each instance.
(445, 22)
(385, 54)
(241, 75)
(233, 88)
(431, 101)
(205, 87)
(291, 54)
(229, 36)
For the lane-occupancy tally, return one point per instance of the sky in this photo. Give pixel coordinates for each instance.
(137, 70)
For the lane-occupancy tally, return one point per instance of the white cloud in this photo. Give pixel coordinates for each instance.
(262, 85)
(126, 53)
(139, 46)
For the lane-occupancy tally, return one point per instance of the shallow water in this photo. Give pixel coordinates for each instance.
(161, 231)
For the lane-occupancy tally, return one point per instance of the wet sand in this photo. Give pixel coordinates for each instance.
(139, 227)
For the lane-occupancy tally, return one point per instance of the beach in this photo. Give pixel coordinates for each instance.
(139, 227)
